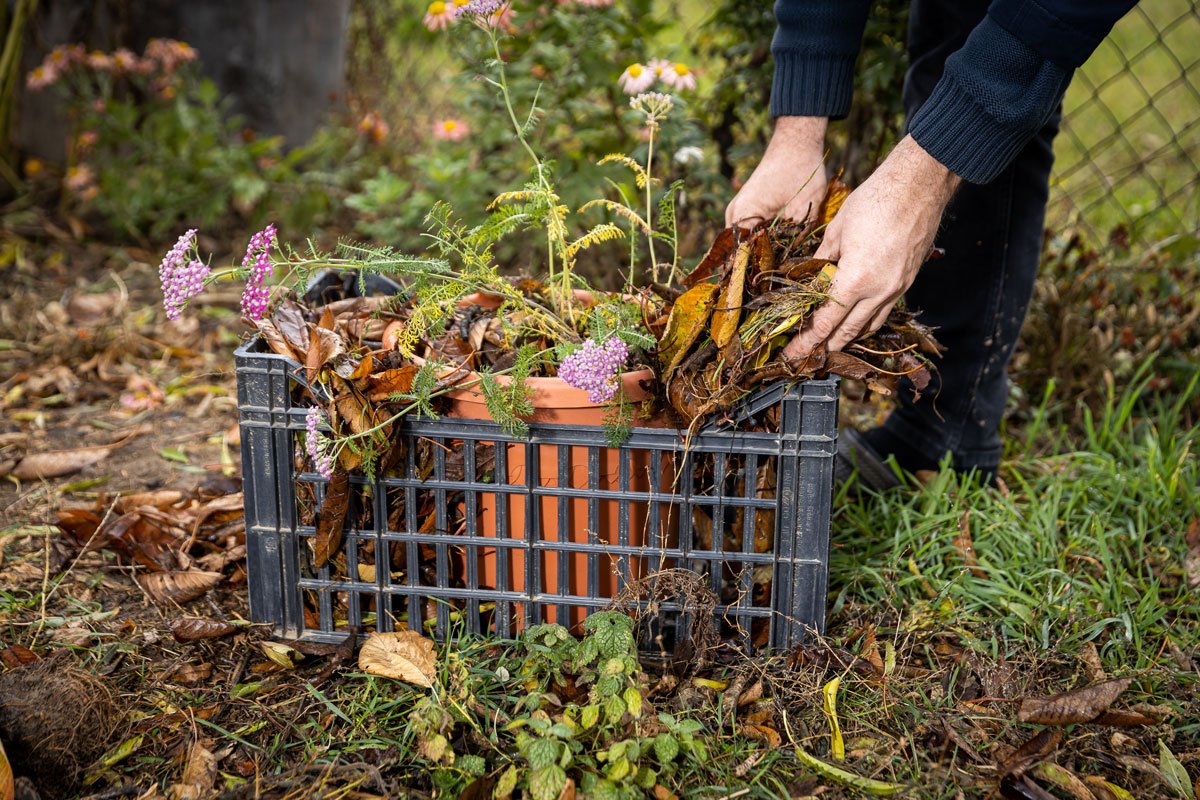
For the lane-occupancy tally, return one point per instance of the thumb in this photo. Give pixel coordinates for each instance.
(830, 248)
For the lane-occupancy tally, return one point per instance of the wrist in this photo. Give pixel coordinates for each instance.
(799, 135)
(923, 170)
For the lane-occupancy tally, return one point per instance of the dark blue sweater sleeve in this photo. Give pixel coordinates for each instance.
(816, 44)
(996, 92)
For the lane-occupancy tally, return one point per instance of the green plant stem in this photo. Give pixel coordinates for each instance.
(649, 208)
(10, 68)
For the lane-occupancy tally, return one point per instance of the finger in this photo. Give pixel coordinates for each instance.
(824, 322)
(880, 317)
(854, 324)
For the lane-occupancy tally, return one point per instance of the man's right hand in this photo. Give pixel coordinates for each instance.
(790, 178)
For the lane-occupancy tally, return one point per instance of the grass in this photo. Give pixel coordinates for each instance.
(1083, 549)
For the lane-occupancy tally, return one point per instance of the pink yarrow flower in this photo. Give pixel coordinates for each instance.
(596, 368)
(256, 296)
(181, 278)
(636, 79)
(479, 8)
(316, 444)
(439, 15)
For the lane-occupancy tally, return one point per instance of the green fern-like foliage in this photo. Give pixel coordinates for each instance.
(423, 390)
(510, 402)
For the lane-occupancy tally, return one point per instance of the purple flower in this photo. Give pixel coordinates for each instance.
(595, 368)
(480, 8)
(316, 444)
(181, 279)
(256, 295)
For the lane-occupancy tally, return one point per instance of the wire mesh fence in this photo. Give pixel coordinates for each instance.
(1127, 155)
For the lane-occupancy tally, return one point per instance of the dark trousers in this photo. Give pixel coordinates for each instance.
(977, 295)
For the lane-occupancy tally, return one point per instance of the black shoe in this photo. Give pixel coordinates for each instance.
(857, 459)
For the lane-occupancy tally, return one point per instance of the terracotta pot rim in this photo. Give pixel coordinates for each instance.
(548, 393)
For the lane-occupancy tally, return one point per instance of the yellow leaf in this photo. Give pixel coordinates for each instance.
(707, 683)
(835, 194)
(836, 745)
(402, 655)
(728, 312)
(687, 321)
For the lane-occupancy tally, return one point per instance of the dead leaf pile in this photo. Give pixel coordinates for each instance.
(183, 542)
(752, 291)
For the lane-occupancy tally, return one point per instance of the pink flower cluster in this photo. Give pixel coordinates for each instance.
(595, 368)
(164, 54)
(316, 444)
(182, 279)
(256, 295)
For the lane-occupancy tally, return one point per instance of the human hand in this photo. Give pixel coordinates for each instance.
(790, 177)
(880, 238)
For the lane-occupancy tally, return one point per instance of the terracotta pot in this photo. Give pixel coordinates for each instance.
(555, 402)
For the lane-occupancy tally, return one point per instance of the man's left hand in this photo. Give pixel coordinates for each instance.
(879, 239)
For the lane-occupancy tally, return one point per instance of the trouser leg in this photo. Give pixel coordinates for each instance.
(977, 295)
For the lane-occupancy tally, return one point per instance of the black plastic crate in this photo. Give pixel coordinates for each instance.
(505, 550)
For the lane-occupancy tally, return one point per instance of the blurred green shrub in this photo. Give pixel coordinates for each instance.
(153, 145)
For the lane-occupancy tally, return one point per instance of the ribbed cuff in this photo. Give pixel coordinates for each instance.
(808, 85)
(956, 130)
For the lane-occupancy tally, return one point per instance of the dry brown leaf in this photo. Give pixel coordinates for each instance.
(180, 586)
(1079, 705)
(56, 463)
(199, 774)
(728, 311)
(194, 629)
(966, 545)
(1191, 561)
(161, 499)
(391, 381)
(17, 655)
(192, 674)
(716, 256)
(663, 793)
(324, 346)
(1091, 663)
(403, 655)
(769, 736)
(1034, 750)
(219, 511)
(331, 519)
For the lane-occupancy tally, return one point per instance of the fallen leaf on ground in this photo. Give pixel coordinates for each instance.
(194, 629)
(1079, 705)
(1191, 561)
(180, 586)
(1034, 750)
(193, 673)
(199, 774)
(403, 655)
(1063, 779)
(1104, 790)
(1173, 772)
(56, 463)
(17, 655)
